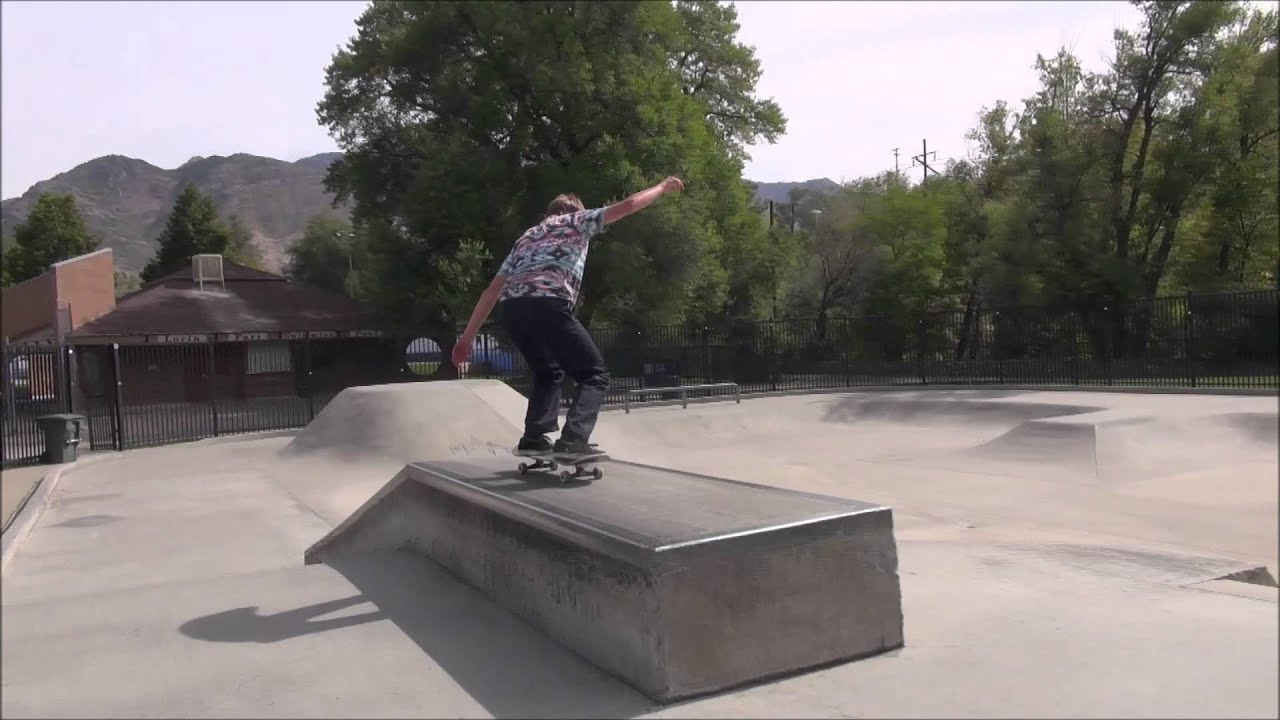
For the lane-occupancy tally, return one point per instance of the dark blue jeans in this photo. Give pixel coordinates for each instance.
(554, 343)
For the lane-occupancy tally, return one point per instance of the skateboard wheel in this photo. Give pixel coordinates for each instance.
(553, 465)
(597, 473)
(524, 468)
(565, 476)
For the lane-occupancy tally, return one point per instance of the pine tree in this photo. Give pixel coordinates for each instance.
(193, 228)
(241, 246)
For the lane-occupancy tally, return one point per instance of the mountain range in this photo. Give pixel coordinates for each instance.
(780, 192)
(126, 201)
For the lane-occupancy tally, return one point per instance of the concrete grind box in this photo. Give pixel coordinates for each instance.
(679, 584)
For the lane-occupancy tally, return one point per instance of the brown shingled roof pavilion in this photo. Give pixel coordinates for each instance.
(252, 301)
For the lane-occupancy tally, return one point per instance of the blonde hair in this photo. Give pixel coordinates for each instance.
(564, 204)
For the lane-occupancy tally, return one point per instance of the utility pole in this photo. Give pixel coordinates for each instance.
(923, 160)
(895, 161)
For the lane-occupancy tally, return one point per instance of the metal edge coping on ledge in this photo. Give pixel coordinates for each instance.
(683, 390)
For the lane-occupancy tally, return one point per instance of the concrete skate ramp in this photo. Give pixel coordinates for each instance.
(678, 584)
(414, 421)
(1114, 447)
(1082, 447)
(959, 418)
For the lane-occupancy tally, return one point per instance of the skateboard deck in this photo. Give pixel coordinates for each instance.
(550, 462)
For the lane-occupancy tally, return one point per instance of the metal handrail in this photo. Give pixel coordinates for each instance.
(683, 390)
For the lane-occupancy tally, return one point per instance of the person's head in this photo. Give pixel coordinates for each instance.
(564, 204)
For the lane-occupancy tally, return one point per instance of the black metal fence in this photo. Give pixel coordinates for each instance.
(144, 395)
(1207, 341)
(35, 382)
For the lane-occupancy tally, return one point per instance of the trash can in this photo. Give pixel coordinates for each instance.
(661, 374)
(61, 436)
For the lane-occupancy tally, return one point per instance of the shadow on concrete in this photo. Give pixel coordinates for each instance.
(73, 499)
(246, 625)
(1259, 427)
(507, 666)
(944, 406)
(89, 521)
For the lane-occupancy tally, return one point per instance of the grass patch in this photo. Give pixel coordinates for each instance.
(424, 368)
(1221, 381)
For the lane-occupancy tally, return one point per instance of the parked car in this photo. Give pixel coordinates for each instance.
(424, 355)
(25, 386)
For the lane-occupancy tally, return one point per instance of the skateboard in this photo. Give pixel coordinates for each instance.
(551, 463)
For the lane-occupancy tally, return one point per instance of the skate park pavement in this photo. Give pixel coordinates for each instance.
(1062, 554)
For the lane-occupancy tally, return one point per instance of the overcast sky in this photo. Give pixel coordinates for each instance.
(163, 81)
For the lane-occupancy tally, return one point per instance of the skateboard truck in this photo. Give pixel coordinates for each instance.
(579, 469)
(538, 464)
(580, 472)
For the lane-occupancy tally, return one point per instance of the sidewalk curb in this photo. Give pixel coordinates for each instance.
(28, 514)
(34, 504)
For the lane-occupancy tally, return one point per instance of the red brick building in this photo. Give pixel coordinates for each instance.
(63, 298)
(36, 315)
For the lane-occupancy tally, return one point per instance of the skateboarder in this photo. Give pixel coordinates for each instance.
(537, 286)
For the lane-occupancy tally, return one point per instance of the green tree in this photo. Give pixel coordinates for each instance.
(241, 246)
(126, 282)
(1142, 103)
(907, 230)
(722, 73)
(1158, 174)
(193, 228)
(6, 244)
(326, 255)
(1234, 233)
(974, 193)
(837, 262)
(54, 231)
(459, 121)
(1080, 201)
(1113, 175)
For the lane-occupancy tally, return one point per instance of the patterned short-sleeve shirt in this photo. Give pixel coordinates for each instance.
(548, 259)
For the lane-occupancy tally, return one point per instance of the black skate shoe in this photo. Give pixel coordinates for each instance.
(576, 451)
(534, 447)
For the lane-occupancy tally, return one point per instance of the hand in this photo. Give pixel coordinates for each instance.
(672, 184)
(461, 351)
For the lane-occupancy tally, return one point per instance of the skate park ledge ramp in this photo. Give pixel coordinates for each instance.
(678, 584)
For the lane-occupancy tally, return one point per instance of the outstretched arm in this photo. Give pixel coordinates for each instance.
(641, 200)
(488, 298)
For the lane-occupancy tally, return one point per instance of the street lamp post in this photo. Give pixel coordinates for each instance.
(350, 242)
(350, 238)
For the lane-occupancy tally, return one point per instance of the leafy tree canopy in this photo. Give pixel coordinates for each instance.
(460, 121)
(54, 231)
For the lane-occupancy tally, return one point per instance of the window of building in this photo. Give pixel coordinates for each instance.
(268, 357)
